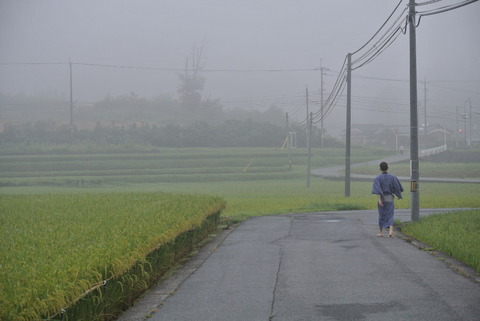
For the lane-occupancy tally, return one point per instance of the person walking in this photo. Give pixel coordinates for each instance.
(386, 186)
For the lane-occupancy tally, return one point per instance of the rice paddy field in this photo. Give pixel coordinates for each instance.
(56, 247)
(253, 181)
(68, 221)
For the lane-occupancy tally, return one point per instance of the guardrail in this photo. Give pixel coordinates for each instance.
(433, 151)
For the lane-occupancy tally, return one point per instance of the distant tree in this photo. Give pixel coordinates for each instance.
(129, 107)
(191, 81)
(274, 115)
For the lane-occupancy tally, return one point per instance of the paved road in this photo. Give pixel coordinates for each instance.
(313, 266)
(337, 172)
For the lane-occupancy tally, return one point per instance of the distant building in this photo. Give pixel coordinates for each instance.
(391, 136)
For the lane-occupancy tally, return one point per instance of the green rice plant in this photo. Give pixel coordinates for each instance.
(55, 247)
(270, 197)
(168, 161)
(107, 300)
(456, 234)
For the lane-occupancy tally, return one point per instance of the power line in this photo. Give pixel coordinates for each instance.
(452, 81)
(384, 41)
(332, 98)
(399, 26)
(443, 9)
(378, 29)
(381, 49)
(161, 68)
(382, 44)
(379, 78)
(33, 63)
(426, 2)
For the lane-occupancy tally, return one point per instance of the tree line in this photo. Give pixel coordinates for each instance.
(230, 133)
(190, 120)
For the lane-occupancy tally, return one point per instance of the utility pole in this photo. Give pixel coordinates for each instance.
(414, 164)
(306, 119)
(445, 134)
(308, 137)
(425, 113)
(470, 127)
(348, 125)
(306, 104)
(321, 107)
(465, 116)
(309, 149)
(456, 118)
(396, 139)
(71, 100)
(289, 143)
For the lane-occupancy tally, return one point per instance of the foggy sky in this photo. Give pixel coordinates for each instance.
(243, 42)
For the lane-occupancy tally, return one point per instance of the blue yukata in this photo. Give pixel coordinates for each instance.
(386, 185)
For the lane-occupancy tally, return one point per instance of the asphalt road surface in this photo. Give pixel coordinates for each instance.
(312, 266)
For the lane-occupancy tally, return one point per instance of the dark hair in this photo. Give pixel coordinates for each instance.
(383, 166)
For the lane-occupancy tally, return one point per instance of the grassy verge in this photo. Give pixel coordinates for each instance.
(456, 234)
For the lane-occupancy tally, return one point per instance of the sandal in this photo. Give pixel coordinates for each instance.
(379, 234)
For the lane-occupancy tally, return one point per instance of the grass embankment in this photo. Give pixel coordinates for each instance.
(456, 234)
(54, 248)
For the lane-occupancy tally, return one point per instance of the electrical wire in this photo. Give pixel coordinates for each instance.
(398, 5)
(332, 98)
(384, 41)
(202, 70)
(32, 63)
(331, 102)
(380, 78)
(398, 27)
(393, 32)
(380, 50)
(442, 9)
(445, 8)
(382, 44)
(426, 2)
(158, 68)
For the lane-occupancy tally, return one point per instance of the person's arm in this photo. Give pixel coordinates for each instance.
(380, 200)
(398, 188)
